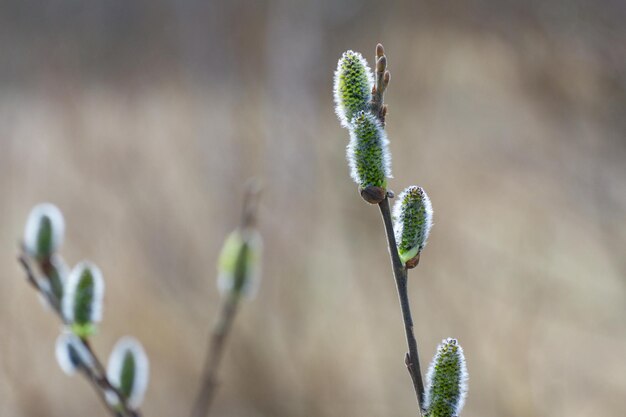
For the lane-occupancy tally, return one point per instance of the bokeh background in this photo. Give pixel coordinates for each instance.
(142, 120)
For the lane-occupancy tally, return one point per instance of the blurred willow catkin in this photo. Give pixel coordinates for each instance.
(129, 371)
(71, 354)
(238, 276)
(239, 264)
(82, 304)
(44, 231)
(76, 298)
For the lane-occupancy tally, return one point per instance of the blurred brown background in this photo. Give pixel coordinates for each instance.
(142, 119)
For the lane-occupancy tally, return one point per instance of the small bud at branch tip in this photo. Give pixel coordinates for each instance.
(380, 51)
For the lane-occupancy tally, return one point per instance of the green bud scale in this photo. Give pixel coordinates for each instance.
(239, 264)
(352, 86)
(128, 370)
(412, 215)
(82, 301)
(44, 231)
(446, 381)
(368, 153)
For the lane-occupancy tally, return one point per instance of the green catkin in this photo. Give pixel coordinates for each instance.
(45, 246)
(446, 381)
(412, 214)
(128, 370)
(352, 86)
(239, 266)
(127, 376)
(367, 152)
(82, 301)
(44, 231)
(43, 236)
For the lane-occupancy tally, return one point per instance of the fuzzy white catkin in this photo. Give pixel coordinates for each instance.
(459, 359)
(71, 287)
(413, 219)
(129, 344)
(352, 89)
(66, 358)
(31, 231)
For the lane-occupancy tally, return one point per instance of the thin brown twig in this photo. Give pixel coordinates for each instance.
(208, 384)
(412, 360)
(379, 109)
(96, 377)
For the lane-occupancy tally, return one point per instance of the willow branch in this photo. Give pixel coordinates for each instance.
(96, 376)
(379, 109)
(208, 384)
(228, 310)
(400, 274)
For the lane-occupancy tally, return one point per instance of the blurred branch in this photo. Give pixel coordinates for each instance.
(228, 311)
(208, 384)
(95, 375)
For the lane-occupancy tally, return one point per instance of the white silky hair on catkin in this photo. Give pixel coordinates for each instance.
(339, 107)
(354, 143)
(463, 380)
(129, 344)
(66, 340)
(397, 210)
(31, 231)
(70, 291)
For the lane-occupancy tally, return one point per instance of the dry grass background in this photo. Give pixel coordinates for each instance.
(141, 120)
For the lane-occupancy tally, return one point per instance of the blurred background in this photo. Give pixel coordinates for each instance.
(142, 119)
